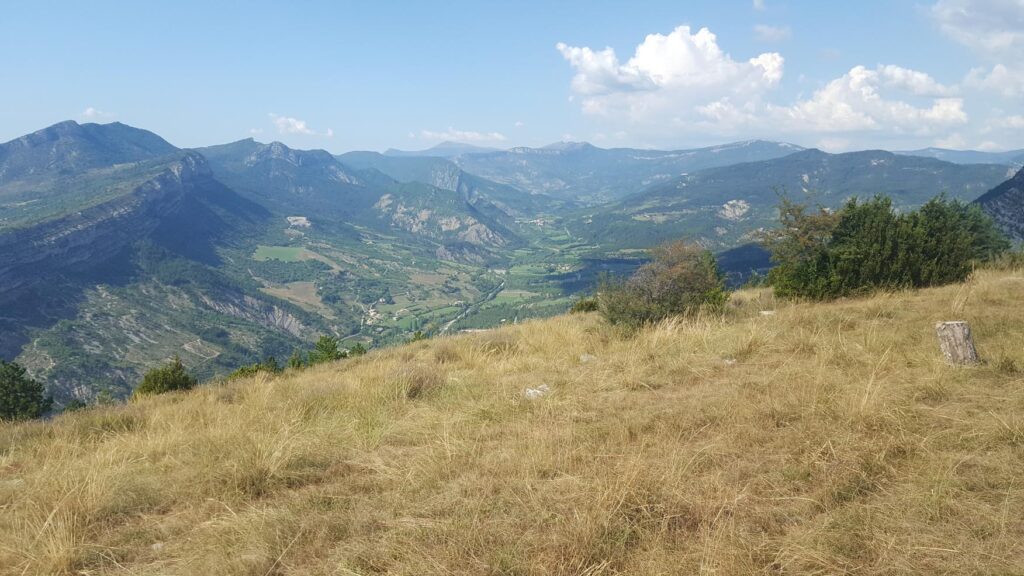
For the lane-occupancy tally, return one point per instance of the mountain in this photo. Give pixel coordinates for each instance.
(313, 184)
(1005, 204)
(721, 206)
(111, 257)
(1010, 158)
(442, 150)
(69, 147)
(446, 175)
(578, 171)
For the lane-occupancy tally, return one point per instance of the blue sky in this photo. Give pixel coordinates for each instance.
(373, 75)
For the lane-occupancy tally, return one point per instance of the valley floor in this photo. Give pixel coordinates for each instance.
(820, 439)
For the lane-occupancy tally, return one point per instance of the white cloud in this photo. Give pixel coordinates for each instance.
(468, 136)
(994, 31)
(255, 131)
(994, 28)
(759, 5)
(91, 113)
(1015, 121)
(289, 125)
(519, 124)
(854, 102)
(668, 75)
(766, 33)
(684, 83)
(1000, 80)
(912, 81)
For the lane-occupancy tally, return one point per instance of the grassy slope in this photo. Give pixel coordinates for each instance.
(837, 442)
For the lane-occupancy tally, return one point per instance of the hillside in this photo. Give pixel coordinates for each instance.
(445, 174)
(821, 439)
(315, 185)
(1013, 158)
(582, 172)
(1005, 204)
(721, 206)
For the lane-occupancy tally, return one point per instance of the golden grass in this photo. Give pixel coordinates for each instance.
(823, 439)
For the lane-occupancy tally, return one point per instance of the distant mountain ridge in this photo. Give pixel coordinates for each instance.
(445, 149)
(579, 171)
(70, 146)
(1005, 204)
(1010, 158)
(721, 206)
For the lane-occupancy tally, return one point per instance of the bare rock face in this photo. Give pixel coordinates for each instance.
(253, 309)
(1005, 204)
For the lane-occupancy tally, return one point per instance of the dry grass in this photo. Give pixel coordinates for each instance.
(823, 439)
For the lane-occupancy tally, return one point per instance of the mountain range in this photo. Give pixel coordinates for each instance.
(119, 250)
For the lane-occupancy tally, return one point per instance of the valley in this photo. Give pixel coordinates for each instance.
(121, 250)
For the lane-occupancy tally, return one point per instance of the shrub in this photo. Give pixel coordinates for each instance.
(268, 366)
(326, 349)
(168, 378)
(868, 246)
(681, 279)
(585, 304)
(21, 397)
(295, 360)
(75, 404)
(357, 350)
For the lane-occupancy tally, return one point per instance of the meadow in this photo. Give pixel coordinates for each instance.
(775, 438)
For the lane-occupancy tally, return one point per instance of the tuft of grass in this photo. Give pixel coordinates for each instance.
(825, 438)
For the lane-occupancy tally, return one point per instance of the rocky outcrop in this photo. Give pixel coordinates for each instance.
(85, 239)
(1005, 204)
(255, 310)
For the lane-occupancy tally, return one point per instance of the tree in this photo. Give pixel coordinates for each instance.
(681, 279)
(327, 349)
(358, 349)
(167, 378)
(21, 397)
(869, 246)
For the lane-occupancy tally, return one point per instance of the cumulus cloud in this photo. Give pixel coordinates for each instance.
(668, 75)
(91, 113)
(289, 125)
(766, 33)
(684, 82)
(854, 102)
(469, 136)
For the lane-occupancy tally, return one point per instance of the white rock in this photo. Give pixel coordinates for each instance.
(535, 393)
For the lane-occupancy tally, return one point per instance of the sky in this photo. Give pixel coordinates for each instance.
(386, 74)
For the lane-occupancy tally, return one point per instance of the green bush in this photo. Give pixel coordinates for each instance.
(167, 378)
(268, 366)
(868, 246)
(295, 361)
(681, 279)
(21, 397)
(327, 349)
(585, 304)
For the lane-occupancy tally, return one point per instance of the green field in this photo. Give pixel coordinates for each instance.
(282, 253)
